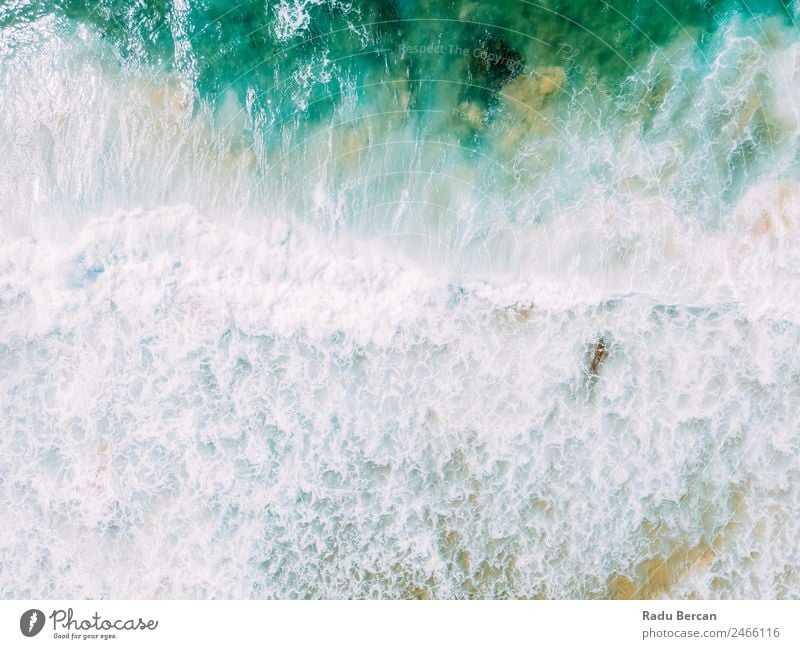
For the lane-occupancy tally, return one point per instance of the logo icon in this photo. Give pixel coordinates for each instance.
(31, 622)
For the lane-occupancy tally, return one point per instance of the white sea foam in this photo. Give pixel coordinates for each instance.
(274, 416)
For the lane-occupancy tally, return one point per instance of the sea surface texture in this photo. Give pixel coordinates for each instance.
(399, 299)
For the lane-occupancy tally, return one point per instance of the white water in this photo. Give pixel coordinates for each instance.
(208, 391)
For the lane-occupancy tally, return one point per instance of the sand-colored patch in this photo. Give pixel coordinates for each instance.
(516, 313)
(348, 142)
(658, 575)
(171, 98)
(472, 114)
(525, 98)
(770, 210)
(403, 581)
(527, 92)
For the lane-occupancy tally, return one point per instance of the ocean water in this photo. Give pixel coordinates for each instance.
(399, 299)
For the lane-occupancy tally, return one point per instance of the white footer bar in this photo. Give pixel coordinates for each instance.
(379, 624)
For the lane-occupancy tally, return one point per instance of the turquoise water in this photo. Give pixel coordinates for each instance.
(323, 299)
